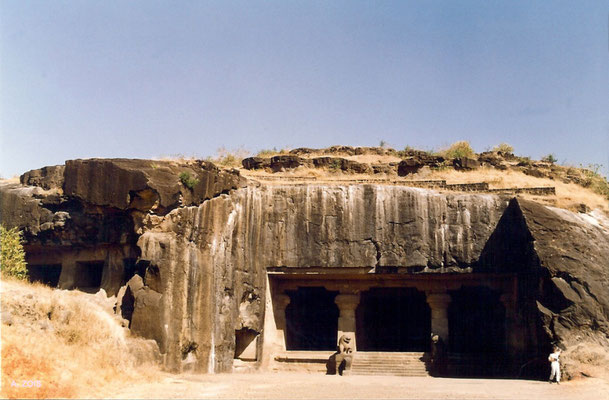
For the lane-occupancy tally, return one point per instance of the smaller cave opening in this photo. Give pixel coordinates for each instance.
(245, 344)
(132, 267)
(88, 275)
(45, 274)
(127, 305)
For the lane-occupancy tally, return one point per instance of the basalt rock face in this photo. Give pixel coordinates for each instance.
(574, 252)
(563, 259)
(144, 184)
(203, 251)
(212, 259)
(87, 213)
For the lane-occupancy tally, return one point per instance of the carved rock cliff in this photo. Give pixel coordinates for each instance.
(203, 251)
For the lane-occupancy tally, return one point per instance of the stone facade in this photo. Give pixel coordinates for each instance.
(229, 265)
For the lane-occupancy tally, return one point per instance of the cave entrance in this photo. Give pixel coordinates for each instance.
(476, 320)
(46, 274)
(393, 319)
(88, 275)
(311, 319)
(476, 340)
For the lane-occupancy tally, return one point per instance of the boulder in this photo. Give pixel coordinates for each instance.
(284, 162)
(532, 171)
(465, 163)
(256, 163)
(338, 163)
(146, 318)
(410, 166)
(47, 177)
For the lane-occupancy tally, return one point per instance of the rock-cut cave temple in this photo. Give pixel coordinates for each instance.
(232, 273)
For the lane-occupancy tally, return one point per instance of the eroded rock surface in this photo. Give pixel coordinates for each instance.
(200, 240)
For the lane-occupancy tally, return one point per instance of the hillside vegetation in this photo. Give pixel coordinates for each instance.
(579, 189)
(58, 343)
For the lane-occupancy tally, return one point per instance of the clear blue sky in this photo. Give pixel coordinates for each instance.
(148, 78)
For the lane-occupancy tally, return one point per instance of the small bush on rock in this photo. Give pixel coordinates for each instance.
(12, 260)
(188, 180)
(550, 158)
(504, 148)
(460, 149)
(594, 180)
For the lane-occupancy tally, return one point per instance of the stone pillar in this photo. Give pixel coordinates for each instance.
(280, 303)
(68, 273)
(273, 341)
(438, 302)
(347, 303)
(513, 328)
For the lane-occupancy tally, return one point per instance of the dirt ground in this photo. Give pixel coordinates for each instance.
(313, 386)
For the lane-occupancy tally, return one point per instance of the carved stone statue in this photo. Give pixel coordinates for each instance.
(438, 355)
(344, 358)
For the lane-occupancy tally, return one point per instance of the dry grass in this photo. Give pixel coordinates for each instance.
(66, 344)
(568, 195)
(374, 159)
(318, 175)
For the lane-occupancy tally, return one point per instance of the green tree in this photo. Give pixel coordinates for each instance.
(12, 257)
(550, 158)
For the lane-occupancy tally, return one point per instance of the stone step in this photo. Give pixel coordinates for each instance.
(389, 366)
(401, 365)
(389, 372)
(388, 359)
(390, 363)
(382, 373)
(386, 365)
(390, 354)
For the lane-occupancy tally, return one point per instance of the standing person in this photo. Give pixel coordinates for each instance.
(555, 364)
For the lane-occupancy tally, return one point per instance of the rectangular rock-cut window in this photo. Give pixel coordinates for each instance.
(46, 274)
(88, 275)
(245, 344)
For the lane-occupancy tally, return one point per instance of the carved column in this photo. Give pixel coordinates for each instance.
(347, 303)
(438, 302)
(280, 303)
(68, 273)
(513, 328)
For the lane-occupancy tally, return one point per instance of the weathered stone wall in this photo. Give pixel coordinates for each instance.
(212, 258)
(205, 249)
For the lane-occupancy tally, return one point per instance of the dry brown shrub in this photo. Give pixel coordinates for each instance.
(67, 343)
(28, 369)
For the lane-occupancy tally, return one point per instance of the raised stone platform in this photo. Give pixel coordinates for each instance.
(364, 362)
(303, 361)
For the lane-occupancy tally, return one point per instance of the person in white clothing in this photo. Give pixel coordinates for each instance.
(555, 364)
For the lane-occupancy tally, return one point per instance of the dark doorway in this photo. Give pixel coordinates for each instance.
(88, 275)
(393, 319)
(476, 319)
(311, 319)
(46, 274)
